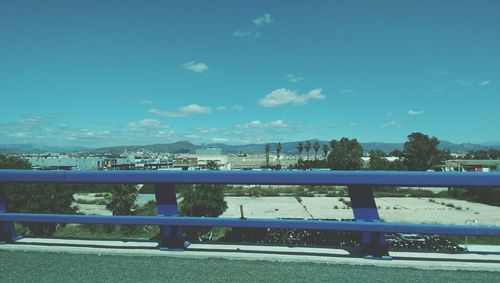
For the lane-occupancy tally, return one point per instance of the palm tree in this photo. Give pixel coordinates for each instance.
(300, 147)
(316, 148)
(325, 151)
(278, 151)
(267, 148)
(308, 147)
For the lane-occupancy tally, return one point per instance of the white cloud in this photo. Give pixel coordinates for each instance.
(392, 124)
(184, 111)
(253, 31)
(441, 72)
(263, 20)
(465, 83)
(192, 136)
(220, 140)
(353, 125)
(88, 134)
(257, 124)
(294, 78)
(484, 83)
(164, 134)
(246, 33)
(284, 96)
(145, 101)
(235, 107)
(147, 124)
(415, 112)
(35, 120)
(197, 67)
(19, 135)
(347, 91)
(207, 130)
(277, 124)
(389, 114)
(437, 90)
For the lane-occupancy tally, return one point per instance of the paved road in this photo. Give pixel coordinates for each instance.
(21, 266)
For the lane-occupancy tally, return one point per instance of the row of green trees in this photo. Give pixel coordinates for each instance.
(420, 153)
(483, 154)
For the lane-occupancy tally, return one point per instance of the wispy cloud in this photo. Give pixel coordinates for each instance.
(164, 134)
(257, 124)
(347, 91)
(192, 136)
(235, 107)
(391, 124)
(265, 19)
(441, 72)
(88, 134)
(284, 96)
(415, 112)
(294, 78)
(218, 140)
(19, 135)
(389, 114)
(147, 124)
(353, 125)
(203, 130)
(484, 83)
(465, 83)
(246, 33)
(438, 90)
(253, 30)
(184, 111)
(197, 67)
(145, 102)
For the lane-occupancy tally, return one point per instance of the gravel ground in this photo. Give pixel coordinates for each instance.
(61, 267)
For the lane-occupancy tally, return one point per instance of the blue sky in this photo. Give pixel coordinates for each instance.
(103, 73)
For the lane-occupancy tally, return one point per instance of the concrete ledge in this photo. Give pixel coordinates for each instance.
(419, 260)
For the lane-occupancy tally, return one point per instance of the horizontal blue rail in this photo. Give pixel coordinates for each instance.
(347, 178)
(359, 185)
(355, 226)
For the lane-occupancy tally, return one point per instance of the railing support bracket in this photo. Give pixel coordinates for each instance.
(171, 237)
(373, 244)
(7, 230)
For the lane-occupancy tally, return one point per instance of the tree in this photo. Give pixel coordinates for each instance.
(396, 153)
(308, 147)
(316, 149)
(325, 152)
(300, 147)
(267, 149)
(122, 200)
(278, 152)
(378, 160)
(345, 155)
(202, 200)
(421, 153)
(212, 165)
(36, 198)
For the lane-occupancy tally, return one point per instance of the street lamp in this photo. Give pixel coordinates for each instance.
(474, 222)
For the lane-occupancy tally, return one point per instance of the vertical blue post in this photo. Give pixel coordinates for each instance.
(365, 209)
(166, 205)
(7, 231)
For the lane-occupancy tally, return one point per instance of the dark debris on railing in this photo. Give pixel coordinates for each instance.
(316, 238)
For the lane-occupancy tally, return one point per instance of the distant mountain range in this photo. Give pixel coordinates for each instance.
(187, 147)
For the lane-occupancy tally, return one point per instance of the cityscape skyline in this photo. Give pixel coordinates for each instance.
(95, 74)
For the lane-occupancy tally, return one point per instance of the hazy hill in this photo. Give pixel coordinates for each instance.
(187, 147)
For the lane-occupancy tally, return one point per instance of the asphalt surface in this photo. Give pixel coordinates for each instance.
(22, 266)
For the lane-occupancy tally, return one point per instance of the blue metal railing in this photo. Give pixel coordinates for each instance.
(359, 184)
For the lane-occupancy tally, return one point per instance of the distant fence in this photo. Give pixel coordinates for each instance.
(359, 183)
